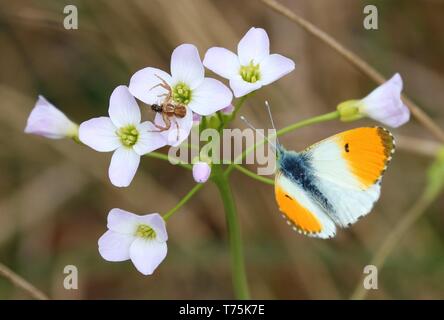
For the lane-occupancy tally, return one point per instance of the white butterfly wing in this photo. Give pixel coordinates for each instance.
(349, 168)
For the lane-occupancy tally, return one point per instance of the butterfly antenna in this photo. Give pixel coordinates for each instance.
(271, 119)
(260, 133)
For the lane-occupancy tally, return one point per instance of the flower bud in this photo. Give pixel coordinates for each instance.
(201, 172)
(228, 109)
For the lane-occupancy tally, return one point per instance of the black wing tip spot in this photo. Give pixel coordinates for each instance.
(347, 147)
(388, 141)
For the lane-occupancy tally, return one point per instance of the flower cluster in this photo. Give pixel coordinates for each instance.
(180, 99)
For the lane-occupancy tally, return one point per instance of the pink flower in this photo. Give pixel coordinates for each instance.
(48, 121)
(384, 104)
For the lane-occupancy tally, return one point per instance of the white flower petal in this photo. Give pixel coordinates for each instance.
(186, 66)
(384, 104)
(157, 223)
(274, 67)
(149, 139)
(48, 121)
(99, 134)
(144, 85)
(171, 135)
(222, 62)
(115, 246)
(254, 46)
(122, 221)
(241, 88)
(146, 255)
(123, 166)
(210, 96)
(123, 108)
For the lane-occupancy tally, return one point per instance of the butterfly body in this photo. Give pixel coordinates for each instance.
(334, 182)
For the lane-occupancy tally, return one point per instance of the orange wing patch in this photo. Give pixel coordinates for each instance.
(367, 152)
(301, 217)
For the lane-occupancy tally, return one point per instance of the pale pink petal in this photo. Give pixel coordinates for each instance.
(274, 67)
(201, 172)
(146, 255)
(99, 134)
(123, 108)
(210, 96)
(149, 139)
(114, 246)
(384, 104)
(123, 166)
(254, 46)
(122, 221)
(48, 121)
(144, 85)
(171, 135)
(157, 223)
(222, 62)
(241, 88)
(186, 66)
(228, 109)
(196, 118)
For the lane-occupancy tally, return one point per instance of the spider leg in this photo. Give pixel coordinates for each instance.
(167, 126)
(166, 86)
(177, 129)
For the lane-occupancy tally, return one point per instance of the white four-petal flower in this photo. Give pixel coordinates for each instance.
(48, 121)
(189, 86)
(139, 238)
(122, 133)
(252, 67)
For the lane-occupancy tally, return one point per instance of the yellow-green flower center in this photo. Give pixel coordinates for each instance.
(146, 232)
(182, 93)
(128, 135)
(251, 72)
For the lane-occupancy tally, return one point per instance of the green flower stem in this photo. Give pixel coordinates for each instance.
(253, 175)
(318, 119)
(221, 121)
(322, 118)
(162, 156)
(238, 105)
(184, 200)
(237, 258)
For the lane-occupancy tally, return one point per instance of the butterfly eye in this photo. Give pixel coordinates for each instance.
(346, 147)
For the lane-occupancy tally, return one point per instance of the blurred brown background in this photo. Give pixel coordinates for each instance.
(55, 195)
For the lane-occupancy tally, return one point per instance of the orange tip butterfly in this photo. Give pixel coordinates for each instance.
(333, 182)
